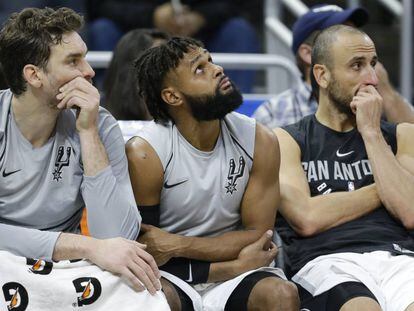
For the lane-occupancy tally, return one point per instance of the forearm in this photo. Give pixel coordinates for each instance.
(94, 157)
(311, 215)
(72, 246)
(220, 248)
(27, 242)
(112, 211)
(223, 271)
(394, 183)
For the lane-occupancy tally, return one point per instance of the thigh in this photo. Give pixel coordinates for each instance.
(176, 298)
(398, 283)
(335, 298)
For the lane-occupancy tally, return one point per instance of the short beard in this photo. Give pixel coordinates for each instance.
(216, 106)
(342, 102)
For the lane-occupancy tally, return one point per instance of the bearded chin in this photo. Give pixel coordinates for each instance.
(341, 102)
(216, 106)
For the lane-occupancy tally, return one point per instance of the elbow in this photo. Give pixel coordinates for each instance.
(306, 227)
(405, 213)
(408, 221)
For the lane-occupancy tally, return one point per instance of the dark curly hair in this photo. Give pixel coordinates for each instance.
(151, 69)
(26, 38)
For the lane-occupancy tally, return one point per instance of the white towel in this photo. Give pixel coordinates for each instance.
(32, 285)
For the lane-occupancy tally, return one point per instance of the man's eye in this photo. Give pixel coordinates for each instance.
(199, 70)
(356, 66)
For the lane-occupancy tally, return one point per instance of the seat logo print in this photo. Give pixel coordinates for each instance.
(234, 174)
(39, 266)
(90, 290)
(16, 296)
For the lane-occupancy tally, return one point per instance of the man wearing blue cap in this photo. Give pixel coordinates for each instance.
(293, 104)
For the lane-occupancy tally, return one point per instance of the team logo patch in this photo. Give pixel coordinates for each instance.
(234, 174)
(90, 290)
(61, 161)
(39, 266)
(16, 296)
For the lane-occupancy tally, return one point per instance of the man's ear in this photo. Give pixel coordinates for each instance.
(33, 75)
(322, 75)
(305, 53)
(171, 96)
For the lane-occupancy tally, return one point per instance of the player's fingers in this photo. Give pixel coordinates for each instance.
(132, 279)
(142, 276)
(150, 261)
(149, 272)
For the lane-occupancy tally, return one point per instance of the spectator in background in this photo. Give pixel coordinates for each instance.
(295, 103)
(8, 7)
(120, 88)
(216, 23)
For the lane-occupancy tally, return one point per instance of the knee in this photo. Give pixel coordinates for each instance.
(287, 292)
(272, 292)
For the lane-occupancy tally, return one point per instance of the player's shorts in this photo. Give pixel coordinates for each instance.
(214, 296)
(389, 278)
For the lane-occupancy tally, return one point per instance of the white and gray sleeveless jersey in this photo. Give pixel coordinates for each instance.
(202, 191)
(43, 190)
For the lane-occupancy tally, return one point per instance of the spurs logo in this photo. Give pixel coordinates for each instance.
(234, 175)
(16, 296)
(60, 162)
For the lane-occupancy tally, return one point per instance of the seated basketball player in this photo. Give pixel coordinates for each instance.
(60, 152)
(206, 178)
(349, 240)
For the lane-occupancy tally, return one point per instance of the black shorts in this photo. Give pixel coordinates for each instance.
(335, 298)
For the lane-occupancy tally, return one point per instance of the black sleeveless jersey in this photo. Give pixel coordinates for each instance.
(337, 161)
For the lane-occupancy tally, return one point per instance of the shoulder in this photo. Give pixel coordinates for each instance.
(154, 137)
(299, 131)
(239, 121)
(265, 137)
(242, 130)
(139, 149)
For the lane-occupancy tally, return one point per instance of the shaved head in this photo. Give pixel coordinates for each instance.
(322, 51)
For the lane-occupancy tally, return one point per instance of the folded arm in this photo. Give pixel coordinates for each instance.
(258, 207)
(394, 175)
(310, 215)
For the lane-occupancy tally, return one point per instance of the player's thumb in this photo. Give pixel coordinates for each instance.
(266, 239)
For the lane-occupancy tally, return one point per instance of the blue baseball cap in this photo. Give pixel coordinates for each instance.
(323, 16)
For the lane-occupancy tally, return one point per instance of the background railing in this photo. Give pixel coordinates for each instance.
(227, 60)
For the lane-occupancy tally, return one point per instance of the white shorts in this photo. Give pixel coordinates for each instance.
(214, 296)
(390, 278)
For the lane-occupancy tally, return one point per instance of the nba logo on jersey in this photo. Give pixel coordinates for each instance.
(351, 186)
